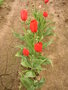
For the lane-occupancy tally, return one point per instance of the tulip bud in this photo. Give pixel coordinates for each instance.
(45, 14)
(25, 52)
(33, 26)
(24, 15)
(38, 47)
(46, 1)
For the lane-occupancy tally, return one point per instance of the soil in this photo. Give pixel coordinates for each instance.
(56, 76)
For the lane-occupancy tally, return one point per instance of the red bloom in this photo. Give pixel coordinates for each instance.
(45, 14)
(33, 26)
(25, 52)
(46, 1)
(38, 47)
(24, 15)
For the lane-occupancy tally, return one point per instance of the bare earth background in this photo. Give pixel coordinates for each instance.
(56, 77)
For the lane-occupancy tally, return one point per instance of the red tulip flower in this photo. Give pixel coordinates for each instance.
(38, 47)
(33, 26)
(25, 52)
(46, 1)
(24, 15)
(45, 14)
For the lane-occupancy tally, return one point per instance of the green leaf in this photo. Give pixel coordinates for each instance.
(29, 42)
(38, 84)
(38, 62)
(25, 62)
(28, 22)
(30, 74)
(18, 36)
(49, 31)
(47, 43)
(18, 54)
(31, 88)
(48, 61)
(20, 46)
(27, 82)
(41, 82)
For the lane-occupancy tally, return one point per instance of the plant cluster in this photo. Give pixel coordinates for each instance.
(31, 51)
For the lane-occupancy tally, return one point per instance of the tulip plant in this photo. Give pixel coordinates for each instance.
(33, 61)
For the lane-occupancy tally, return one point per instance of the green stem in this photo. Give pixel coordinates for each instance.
(34, 37)
(25, 27)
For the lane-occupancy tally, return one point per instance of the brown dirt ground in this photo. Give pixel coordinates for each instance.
(56, 77)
